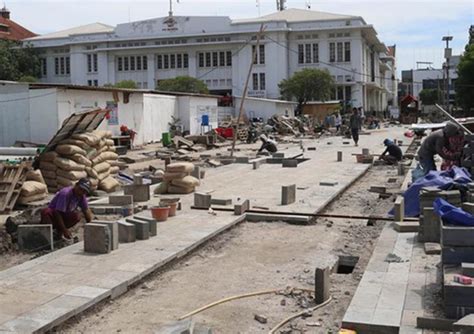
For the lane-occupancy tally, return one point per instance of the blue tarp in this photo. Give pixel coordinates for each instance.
(443, 180)
(452, 215)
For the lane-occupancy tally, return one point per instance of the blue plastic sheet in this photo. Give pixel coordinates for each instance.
(452, 215)
(443, 180)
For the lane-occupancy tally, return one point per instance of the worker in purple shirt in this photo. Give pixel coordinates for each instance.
(62, 210)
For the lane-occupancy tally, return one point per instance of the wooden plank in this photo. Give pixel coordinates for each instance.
(11, 180)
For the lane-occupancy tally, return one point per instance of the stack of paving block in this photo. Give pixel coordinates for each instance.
(429, 222)
(468, 153)
(177, 179)
(457, 255)
(90, 155)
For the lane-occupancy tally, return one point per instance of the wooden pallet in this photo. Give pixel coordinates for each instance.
(11, 180)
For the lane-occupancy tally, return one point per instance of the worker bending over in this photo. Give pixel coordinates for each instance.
(62, 210)
(268, 144)
(394, 153)
(439, 142)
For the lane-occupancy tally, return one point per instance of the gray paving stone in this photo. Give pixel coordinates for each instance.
(97, 238)
(202, 200)
(221, 201)
(322, 284)
(114, 232)
(288, 194)
(35, 237)
(121, 200)
(457, 235)
(140, 192)
(290, 163)
(242, 207)
(432, 248)
(127, 232)
(406, 226)
(399, 209)
(142, 228)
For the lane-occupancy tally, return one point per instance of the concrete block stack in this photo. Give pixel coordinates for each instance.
(90, 155)
(457, 255)
(177, 179)
(429, 222)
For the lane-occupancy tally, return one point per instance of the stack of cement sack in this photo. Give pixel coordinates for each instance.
(90, 155)
(33, 189)
(177, 179)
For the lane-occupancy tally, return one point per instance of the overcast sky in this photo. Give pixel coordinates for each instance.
(415, 26)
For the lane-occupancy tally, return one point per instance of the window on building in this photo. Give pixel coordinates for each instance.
(95, 63)
(44, 67)
(315, 53)
(372, 66)
(215, 60)
(208, 59)
(179, 61)
(119, 64)
(261, 54)
(229, 58)
(347, 51)
(166, 62)
(89, 82)
(301, 54)
(185, 60)
(332, 52)
(132, 63)
(125, 64)
(340, 93)
(159, 62)
(201, 59)
(340, 52)
(255, 81)
(139, 63)
(172, 61)
(56, 66)
(222, 58)
(254, 55)
(96, 83)
(348, 93)
(145, 63)
(262, 81)
(89, 63)
(62, 65)
(307, 54)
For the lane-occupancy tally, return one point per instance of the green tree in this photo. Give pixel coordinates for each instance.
(128, 84)
(18, 61)
(184, 84)
(465, 82)
(309, 84)
(430, 96)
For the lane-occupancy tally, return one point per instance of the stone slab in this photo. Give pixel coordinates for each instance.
(406, 226)
(261, 217)
(140, 192)
(328, 183)
(399, 209)
(35, 237)
(256, 163)
(465, 325)
(114, 232)
(457, 236)
(202, 200)
(121, 200)
(278, 155)
(288, 194)
(97, 238)
(290, 163)
(142, 228)
(127, 232)
(221, 201)
(242, 207)
(432, 248)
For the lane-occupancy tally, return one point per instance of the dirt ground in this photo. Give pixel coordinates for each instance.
(254, 257)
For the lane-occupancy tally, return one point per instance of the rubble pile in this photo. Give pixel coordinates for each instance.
(90, 155)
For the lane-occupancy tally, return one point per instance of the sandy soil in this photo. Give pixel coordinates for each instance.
(254, 257)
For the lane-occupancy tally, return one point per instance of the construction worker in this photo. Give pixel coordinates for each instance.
(438, 142)
(394, 153)
(355, 125)
(62, 210)
(268, 144)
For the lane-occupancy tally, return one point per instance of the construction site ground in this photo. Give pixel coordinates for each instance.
(258, 256)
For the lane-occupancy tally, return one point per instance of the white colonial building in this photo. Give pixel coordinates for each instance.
(218, 51)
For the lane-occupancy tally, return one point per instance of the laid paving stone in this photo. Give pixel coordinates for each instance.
(278, 155)
(127, 232)
(242, 160)
(35, 237)
(121, 200)
(290, 163)
(97, 238)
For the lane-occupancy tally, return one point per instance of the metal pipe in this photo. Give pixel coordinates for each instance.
(453, 119)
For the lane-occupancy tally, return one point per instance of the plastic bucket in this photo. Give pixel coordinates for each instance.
(160, 213)
(173, 207)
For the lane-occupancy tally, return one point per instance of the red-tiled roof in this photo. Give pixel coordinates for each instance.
(391, 50)
(15, 31)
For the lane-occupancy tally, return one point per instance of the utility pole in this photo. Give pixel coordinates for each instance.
(447, 56)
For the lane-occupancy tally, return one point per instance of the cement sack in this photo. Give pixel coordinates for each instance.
(33, 198)
(186, 182)
(94, 183)
(81, 160)
(104, 156)
(51, 182)
(114, 163)
(102, 134)
(68, 164)
(63, 182)
(102, 167)
(109, 184)
(172, 176)
(114, 170)
(102, 149)
(92, 153)
(92, 173)
(71, 174)
(48, 156)
(75, 142)
(104, 175)
(89, 138)
(70, 150)
(30, 188)
(48, 173)
(180, 167)
(34, 175)
(109, 142)
(179, 190)
(53, 190)
(111, 148)
(161, 188)
(48, 166)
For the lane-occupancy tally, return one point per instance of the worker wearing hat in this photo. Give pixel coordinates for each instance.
(394, 153)
(62, 211)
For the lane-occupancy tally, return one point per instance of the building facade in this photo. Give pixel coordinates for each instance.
(218, 51)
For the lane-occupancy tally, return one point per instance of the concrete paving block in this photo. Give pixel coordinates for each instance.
(290, 163)
(322, 284)
(127, 232)
(202, 200)
(142, 228)
(288, 194)
(339, 156)
(406, 226)
(432, 248)
(465, 324)
(256, 163)
(439, 324)
(467, 269)
(97, 238)
(137, 179)
(196, 172)
(114, 232)
(399, 209)
(121, 200)
(431, 225)
(35, 237)
(242, 207)
(457, 235)
(278, 155)
(221, 201)
(140, 192)
(328, 183)
(242, 160)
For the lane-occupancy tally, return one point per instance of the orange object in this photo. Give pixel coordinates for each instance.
(347, 331)
(173, 207)
(160, 213)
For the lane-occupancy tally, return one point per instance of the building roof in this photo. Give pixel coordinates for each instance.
(93, 28)
(12, 30)
(297, 15)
